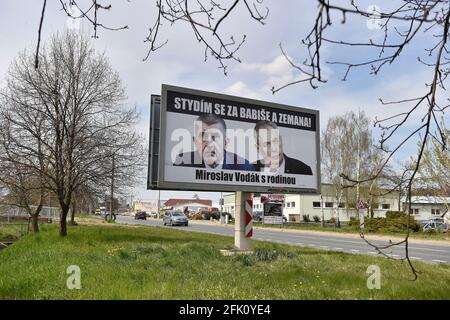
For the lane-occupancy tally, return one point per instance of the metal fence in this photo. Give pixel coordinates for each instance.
(10, 213)
(11, 232)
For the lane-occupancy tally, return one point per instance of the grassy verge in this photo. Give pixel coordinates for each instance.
(136, 262)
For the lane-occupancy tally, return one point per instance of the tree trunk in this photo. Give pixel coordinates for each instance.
(72, 214)
(34, 216)
(111, 204)
(337, 203)
(34, 223)
(63, 221)
(322, 211)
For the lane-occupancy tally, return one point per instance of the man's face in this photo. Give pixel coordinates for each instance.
(210, 142)
(270, 146)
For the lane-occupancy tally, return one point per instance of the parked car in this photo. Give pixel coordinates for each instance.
(434, 226)
(173, 218)
(152, 214)
(141, 215)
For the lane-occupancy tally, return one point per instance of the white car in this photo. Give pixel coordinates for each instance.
(435, 226)
(174, 218)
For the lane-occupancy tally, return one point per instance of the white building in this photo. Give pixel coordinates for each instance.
(147, 205)
(428, 207)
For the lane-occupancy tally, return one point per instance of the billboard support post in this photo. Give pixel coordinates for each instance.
(241, 242)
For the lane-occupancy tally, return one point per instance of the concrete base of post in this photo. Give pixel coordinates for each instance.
(233, 252)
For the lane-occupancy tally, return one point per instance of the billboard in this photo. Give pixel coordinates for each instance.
(273, 208)
(216, 142)
(273, 213)
(274, 198)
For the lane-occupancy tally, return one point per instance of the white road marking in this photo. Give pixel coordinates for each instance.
(371, 252)
(354, 250)
(415, 258)
(427, 249)
(338, 249)
(441, 261)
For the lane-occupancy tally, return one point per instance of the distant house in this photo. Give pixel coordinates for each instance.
(428, 207)
(191, 204)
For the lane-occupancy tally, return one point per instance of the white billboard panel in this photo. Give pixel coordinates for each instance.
(217, 142)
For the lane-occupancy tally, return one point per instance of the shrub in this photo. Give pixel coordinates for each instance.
(316, 218)
(196, 216)
(394, 214)
(206, 215)
(375, 224)
(306, 218)
(353, 222)
(230, 217)
(332, 220)
(395, 221)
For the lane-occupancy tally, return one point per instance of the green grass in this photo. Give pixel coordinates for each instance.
(124, 262)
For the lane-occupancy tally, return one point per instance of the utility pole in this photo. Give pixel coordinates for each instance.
(111, 205)
(358, 158)
(131, 202)
(159, 200)
(222, 218)
(321, 209)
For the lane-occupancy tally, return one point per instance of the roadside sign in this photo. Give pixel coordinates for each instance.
(273, 198)
(273, 213)
(248, 218)
(361, 206)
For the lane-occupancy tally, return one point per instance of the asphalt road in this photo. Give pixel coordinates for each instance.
(432, 253)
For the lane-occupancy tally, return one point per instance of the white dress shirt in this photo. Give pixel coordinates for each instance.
(280, 169)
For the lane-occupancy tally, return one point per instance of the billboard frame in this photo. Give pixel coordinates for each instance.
(170, 185)
(152, 180)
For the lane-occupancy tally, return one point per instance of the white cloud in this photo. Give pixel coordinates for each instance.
(276, 73)
(241, 89)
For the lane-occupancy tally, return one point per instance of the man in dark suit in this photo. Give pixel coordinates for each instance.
(210, 142)
(269, 144)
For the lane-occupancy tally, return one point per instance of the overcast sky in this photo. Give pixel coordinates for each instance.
(181, 63)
